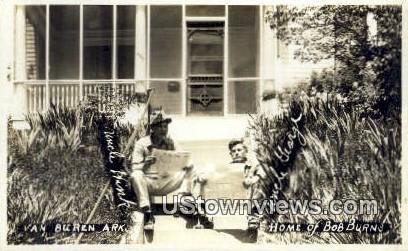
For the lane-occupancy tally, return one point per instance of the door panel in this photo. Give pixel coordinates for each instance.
(205, 68)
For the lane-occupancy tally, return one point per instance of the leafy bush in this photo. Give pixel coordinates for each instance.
(366, 63)
(346, 156)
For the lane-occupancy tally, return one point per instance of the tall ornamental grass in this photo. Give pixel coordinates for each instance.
(346, 155)
(56, 173)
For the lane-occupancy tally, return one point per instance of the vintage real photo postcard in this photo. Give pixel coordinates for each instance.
(202, 125)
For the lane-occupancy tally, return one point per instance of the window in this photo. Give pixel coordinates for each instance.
(243, 97)
(64, 42)
(243, 64)
(165, 41)
(205, 10)
(125, 41)
(243, 25)
(35, 42)
(98, 38)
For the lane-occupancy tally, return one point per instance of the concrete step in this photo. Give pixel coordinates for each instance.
(194, 237)
(169, 222)
(230, 222)
(227, 230)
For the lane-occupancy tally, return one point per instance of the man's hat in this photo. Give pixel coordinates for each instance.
(158, 117)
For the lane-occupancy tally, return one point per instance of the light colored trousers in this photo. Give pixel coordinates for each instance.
(146, 186)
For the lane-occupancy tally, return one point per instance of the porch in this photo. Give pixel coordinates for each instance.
(201, 60)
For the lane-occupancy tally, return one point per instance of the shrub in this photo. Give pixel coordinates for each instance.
(56, 173)
(346, 156)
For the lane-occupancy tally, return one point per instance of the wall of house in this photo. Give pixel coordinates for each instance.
(8, 100)
(6, 54)
(295, 71)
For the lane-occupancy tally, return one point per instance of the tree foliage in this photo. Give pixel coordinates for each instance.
(364, 61)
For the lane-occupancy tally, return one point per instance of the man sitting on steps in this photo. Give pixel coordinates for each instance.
(147, 182)
(252, 173)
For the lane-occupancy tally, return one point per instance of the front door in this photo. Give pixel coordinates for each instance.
(205, 68)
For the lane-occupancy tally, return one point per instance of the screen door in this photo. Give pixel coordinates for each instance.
(205, 68)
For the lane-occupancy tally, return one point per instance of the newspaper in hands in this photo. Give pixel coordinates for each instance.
(169, 162)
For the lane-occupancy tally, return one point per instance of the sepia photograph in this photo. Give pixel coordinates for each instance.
(202, 125)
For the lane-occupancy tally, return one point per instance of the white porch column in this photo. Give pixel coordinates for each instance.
(282, 65)
(20, 26)
(140, 46)
(270, 58)
(20, 95)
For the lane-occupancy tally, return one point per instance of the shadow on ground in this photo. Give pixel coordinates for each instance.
(241, 235)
